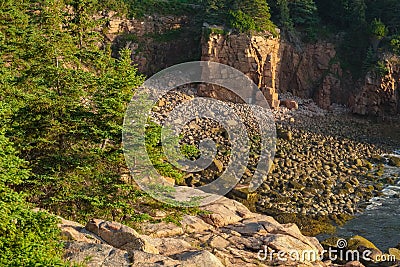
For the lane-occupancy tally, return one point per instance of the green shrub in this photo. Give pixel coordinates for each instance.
(190, 151)
(381, 68)
(303, 13)
(242, 21)
(156, 154)
(371, 63)
(243, 15)
(27, 238)
(217, 31)
(395, 44)
(378, 29)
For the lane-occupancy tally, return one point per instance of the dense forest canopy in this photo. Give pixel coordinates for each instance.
(63, 98)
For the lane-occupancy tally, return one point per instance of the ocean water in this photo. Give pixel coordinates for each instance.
(380, 222)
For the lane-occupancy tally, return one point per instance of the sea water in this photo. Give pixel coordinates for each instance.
(380, 222)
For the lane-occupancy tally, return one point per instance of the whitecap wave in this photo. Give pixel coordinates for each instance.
(389, 192)
(374, 205)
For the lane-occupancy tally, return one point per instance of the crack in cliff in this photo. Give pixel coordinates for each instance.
(260, 64)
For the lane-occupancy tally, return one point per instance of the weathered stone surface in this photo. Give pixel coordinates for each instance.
(120, 236)
(256, 56)
(354, 264)
(171, 246)
(148, 52)
(199, 259)
(248, 228)
(290, 104)
(143, 259)
(162, 229)
(394, 161)
(96, 255)
(288, 244)
(284, 134)
(361, 244)
(377, 96)
(275, 65)
(218, 242)
(293, 231)
(230, 234)
(73, 231)
(306, 70)
(268, 222)
(193, 224)
(225, 211)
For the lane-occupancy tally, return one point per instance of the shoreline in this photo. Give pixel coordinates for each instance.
(327, 165)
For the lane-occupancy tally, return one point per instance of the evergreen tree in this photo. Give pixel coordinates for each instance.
(303, 13)
(387, 11)
(343, 14)
(284, 14)
(248, 15)
(66, 100)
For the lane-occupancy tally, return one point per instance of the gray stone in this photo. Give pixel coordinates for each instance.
(218, 242)
(162, 229)
(248, 228)
(171, 246)
(96, 255)
(120, 236)
(198, 259)
(193, 224)
(143, 259)
(225, 211)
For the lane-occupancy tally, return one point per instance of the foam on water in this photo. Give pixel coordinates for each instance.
(380, 222)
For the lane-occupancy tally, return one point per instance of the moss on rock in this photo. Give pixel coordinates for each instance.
(394, 161)
(356, 242)
(307, 225)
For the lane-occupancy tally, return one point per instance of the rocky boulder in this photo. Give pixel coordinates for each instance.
(226, 234)
(120, 236)
(290, 104)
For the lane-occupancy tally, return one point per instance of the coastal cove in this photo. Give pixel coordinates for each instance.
(378, 218)
(200, 133)
(347, 158)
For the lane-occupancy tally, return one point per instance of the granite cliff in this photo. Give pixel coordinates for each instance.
(276, 65)
(305, 70)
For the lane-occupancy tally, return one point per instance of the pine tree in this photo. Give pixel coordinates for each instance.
(258, 10)
(303, 13)
(66, 98)
(284, 14)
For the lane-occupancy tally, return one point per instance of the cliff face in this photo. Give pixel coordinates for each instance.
(305, 70)
(379, 95)
(156, 42)
(257, 57)
(311, 71)
(274, 64)
(278, 66)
